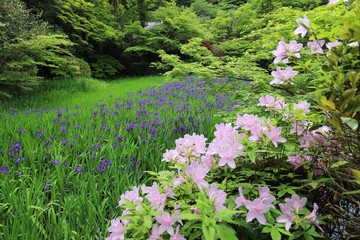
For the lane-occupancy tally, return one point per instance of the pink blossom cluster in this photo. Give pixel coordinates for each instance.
(189, 146)
(157, 199)
(259, 206)
(286, 51)
(283, 76)
(292, 113)
(258, 128)
(193, 160)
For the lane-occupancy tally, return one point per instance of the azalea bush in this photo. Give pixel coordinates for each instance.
(212, 192)
(335, 91)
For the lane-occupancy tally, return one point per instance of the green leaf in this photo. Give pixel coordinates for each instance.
(225, 232)
(356, 174)
(208, 231)
(266, 229)
(327, 104)
(308, 236)
(251, 153)
(352, 192)
(189, 216)
(346, 97)
(275, 234)
(148, 221)
(289, 146)
(225, 214)
(285, 232)
(352, 123)
(338, 164)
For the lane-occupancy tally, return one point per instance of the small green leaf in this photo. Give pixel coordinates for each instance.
(189, 216)
(225, 214)
(285, 232)
(148, 221)
(352, 123)
(338, 164)
(251, 153)
(356, 174)
(275, 234)
(266, 229)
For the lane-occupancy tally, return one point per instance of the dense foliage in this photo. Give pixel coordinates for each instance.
(126, 36)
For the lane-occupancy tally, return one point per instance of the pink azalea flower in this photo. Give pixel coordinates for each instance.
(303, 26)
(283, 76)
(225, 131)
(298, 127)
(265, 196)
(257, 209)
(216, 195)
(257, 131)
(197, 172)
(267, 101)
(324, 130)
(312, 216)
(295, 161)
(116, 230)
(247, 121)
(287, 217)
(180, 180)
(353, 44)
(333, 2)
(155, 197)
(196, 211)
(295, 202)
(274, 136)
(170, 155)
(304, 106)
(169, 192)
(207, 160)
(312, 138)
(240, 201)
(176, 235)
(331, 45)
(227, 156)
(191, 145)
(316, 46)
(124, 213)
(132, 196)
(155, 233)
(166, 222)
(285, 51)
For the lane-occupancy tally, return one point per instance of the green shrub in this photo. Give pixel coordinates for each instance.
(106, 67)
